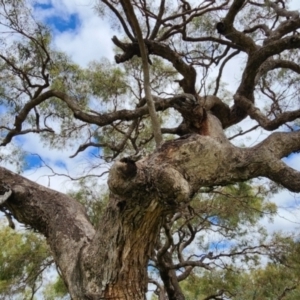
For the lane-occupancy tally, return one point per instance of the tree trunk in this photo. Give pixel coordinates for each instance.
(110, 262)
(122, 247)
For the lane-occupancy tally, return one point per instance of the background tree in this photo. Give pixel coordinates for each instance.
(276, 280)
(154, 194)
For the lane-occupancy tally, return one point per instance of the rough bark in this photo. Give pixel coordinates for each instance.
(59, 218)
(111, 261)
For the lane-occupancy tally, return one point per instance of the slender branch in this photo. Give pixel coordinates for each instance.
(263, 27)
(117, 148)
(100, 120)
(158, 22)
(230, 56)
(243, 132)
(81, 148)
(147, 87)
(262, 120)
(188, 16)
(118, 15)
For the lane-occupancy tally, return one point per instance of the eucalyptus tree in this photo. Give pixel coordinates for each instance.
(43, 92)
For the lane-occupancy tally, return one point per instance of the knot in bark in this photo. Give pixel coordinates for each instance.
(129, 168)
(172, 187)
(221, 28)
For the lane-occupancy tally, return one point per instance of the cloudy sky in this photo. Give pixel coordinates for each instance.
(81, 33)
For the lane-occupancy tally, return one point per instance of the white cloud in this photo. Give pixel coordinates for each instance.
(293, 161)
(60, 162)
(90, 40)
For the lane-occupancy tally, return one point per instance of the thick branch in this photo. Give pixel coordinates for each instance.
(257, 58)
(272, 64)
(279, 172)
(164, 51)
(58, 217)
(218, 162)
(226, 28)
(169, 277)
(281, 144)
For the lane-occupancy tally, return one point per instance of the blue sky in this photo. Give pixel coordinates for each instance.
(56, 21)
(71, 23)
(77, 29)
(34, 161)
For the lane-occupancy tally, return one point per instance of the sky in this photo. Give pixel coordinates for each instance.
(84, 36)
(77, 28)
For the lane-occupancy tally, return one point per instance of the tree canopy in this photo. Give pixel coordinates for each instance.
(181, 214)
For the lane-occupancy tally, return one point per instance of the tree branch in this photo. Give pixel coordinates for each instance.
(261, 119)
(271, 64)
(158, 22)
(118, 15)
(164, 51)
(59, 218)
(147, 87)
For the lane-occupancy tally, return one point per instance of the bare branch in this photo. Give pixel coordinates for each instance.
(150, 103)
(118, 15)
(262, 120)
(158, 22)
(225, 61)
